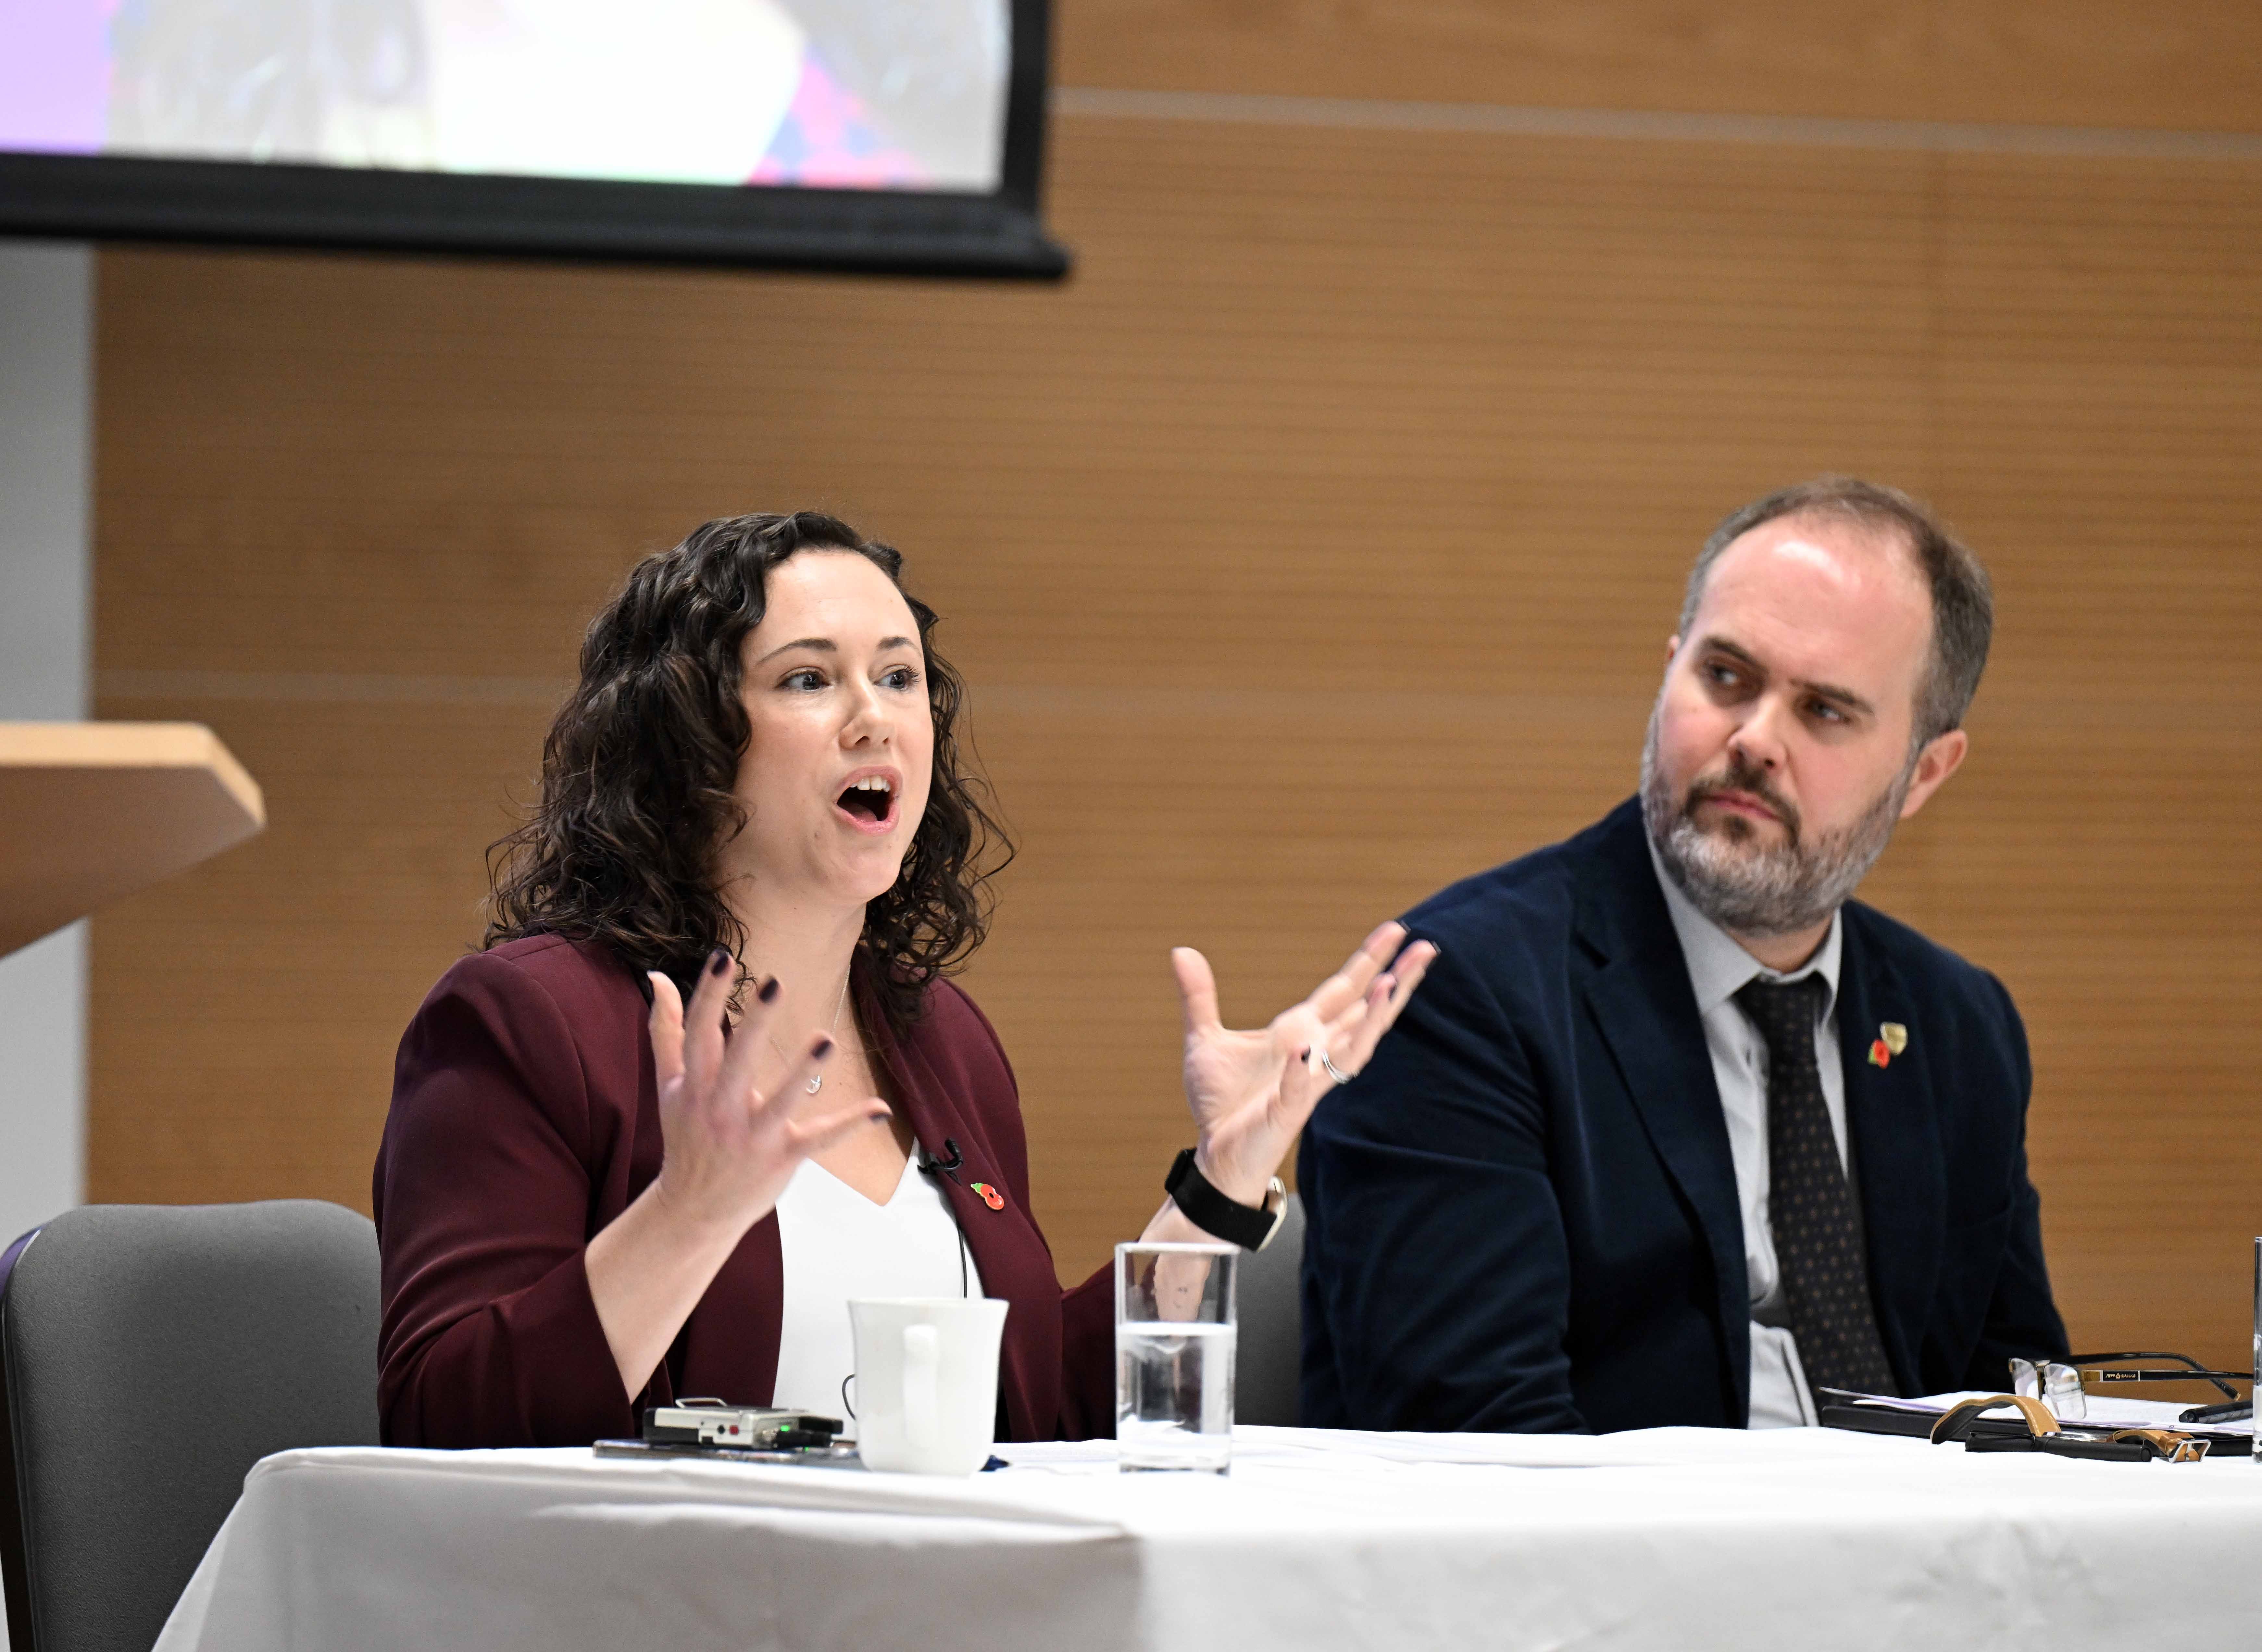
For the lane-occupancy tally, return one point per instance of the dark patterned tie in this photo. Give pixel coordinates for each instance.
(1818, 1246)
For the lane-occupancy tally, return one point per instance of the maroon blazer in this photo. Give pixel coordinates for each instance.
(525, 1117)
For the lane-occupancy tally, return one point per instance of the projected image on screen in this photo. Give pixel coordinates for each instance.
(831, 94)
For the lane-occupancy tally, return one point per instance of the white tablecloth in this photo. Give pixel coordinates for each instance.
(1672, 1538)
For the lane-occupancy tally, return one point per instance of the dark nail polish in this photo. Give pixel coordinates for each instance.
(824, 1049)
(768, 990)
(718, 962)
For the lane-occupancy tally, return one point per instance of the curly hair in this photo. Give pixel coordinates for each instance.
(639, 769)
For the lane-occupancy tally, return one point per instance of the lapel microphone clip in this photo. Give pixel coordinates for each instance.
(948, 1165)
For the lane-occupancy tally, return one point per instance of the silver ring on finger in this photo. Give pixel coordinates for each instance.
(1334, 1071)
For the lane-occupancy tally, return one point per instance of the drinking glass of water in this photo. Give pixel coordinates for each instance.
(1174, 1331)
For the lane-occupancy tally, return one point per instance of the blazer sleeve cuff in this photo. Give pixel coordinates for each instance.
(531, 1370)
(567, 1370)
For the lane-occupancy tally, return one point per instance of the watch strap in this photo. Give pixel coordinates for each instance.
(1250, 1227)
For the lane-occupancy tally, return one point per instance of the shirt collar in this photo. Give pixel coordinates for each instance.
(1718, 966)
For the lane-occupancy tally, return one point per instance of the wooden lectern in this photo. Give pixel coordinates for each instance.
(90, 812)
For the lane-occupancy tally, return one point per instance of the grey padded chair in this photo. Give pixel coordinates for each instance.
(1269, 1361)
(152, 1353)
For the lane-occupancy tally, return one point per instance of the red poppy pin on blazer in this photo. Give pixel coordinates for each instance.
(990, 1196)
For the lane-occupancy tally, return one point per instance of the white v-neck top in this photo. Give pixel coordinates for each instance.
(837, 1245)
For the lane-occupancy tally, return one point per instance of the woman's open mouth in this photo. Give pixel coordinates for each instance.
(870, 803)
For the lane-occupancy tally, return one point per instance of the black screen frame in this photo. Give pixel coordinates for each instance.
(120, 197)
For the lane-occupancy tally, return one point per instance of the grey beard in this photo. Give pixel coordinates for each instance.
(1764, 891)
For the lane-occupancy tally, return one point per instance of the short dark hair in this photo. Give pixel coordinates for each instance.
(640, 769)
(1963, 600)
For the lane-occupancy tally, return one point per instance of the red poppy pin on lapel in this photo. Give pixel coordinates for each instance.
(990, 1196)
(1893, 1038)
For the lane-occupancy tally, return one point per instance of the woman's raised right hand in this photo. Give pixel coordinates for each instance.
(732, 1135)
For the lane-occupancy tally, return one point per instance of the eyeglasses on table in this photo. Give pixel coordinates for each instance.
(2059, 1384)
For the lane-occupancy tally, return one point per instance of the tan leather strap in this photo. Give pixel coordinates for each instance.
(2171, 1445)
(1958, 1423)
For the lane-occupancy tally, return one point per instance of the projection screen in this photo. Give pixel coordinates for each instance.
(871, 133)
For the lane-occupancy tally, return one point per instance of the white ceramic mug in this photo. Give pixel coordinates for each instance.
(926, 1381)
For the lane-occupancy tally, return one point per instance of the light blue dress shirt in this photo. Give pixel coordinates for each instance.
(1718, 966)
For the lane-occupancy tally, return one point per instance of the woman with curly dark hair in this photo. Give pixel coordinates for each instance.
(707, 1079)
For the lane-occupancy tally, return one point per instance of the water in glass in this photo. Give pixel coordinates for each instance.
(1174, 1345)
(1174, 1395)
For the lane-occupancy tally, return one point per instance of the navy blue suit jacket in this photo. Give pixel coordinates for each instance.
(1523, 1216)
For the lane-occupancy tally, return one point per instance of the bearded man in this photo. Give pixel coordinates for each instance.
(1677, 1132)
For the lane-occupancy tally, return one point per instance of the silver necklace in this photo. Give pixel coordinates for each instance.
(816, 1080)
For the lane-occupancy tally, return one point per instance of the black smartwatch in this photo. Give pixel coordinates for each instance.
(1252, 1228)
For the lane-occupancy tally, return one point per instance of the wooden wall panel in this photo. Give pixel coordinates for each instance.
(246, 1016)
(2100, 425)
(2187, 66)
(1315, 547)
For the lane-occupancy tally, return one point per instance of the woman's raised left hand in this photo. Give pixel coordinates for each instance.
(1252, 1091)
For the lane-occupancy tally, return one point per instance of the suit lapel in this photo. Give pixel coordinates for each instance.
(937, 1129)
(1893, 1119)
(1640, 998)
(1008, 1250)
